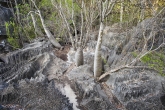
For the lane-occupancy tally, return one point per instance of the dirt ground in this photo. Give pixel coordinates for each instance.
(62, 53)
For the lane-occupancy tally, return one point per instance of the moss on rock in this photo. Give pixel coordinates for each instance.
(156, 61)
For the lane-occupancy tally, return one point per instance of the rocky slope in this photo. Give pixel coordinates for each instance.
(34, 78)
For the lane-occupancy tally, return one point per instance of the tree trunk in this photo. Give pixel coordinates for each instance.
(142, 14)
(79, 57)
(63, 17)
(121, 13)
(97, 58)
(48, 33)
(19, 23)
(37, 31)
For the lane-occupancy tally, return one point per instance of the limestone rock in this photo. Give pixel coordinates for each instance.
(138, 89)
(93, 97)
(26, 78)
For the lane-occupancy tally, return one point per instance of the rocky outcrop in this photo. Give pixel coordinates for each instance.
(34, 78)
(138, 89)
(127, 89)
(91, 95)
(26, 78)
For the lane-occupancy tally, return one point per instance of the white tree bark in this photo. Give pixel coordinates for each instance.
(105, 9)
(97, 58)
(121, 13)
(62, 15)
(79, 57)
(142, 14)
(37, 31)
(48, 33)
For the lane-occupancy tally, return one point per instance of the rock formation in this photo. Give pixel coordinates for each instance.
(26, 78)
(34, 78)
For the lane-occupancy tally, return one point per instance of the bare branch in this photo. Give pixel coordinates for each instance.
(123, 67)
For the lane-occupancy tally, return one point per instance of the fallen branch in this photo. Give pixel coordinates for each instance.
(122, 67)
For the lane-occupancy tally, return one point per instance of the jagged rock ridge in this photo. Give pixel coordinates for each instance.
(24, 81)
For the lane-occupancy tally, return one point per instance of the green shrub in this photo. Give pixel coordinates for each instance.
(156, 61)
(12, 36)
(13, 42)
(104, 60)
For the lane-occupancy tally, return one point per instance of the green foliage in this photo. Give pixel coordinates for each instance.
(22, 30)
(29, 29)
(104, 60)
(24, 9)
(12, 34)
(7, 24)
(135, 54)
(155, 60)
(13, 42)
(132, 9)
(45, 3)
(13, 31)
(69, 4)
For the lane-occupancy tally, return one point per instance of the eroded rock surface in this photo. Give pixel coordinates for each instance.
(138, 89)
(26, 78)
(34, 78)
(91, 94)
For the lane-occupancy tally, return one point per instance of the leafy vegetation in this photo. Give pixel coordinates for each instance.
(132, 14)
(155, 60)
(135, 54)
(12, 34)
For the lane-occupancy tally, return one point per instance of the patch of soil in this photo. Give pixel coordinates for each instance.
(62, 53)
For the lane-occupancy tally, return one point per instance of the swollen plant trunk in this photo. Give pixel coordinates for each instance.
(79, 57)
(97, 58)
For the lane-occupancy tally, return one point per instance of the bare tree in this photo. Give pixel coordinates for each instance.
(143, 7)
(37, 31)
(48, 33)
(87, 16)
(146, 49)
(121, 12)
(105, 9)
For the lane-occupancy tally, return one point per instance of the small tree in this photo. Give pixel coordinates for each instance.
(48, 33)
(68, 11)
(105, 9)
(148, 53)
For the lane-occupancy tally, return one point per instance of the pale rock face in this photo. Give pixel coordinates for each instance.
(72, 97)
(71, 55)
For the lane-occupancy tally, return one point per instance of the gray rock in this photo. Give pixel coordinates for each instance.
(93, 97)
(138, 89)
(111, 39)
(5, 16)
(27, 78)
